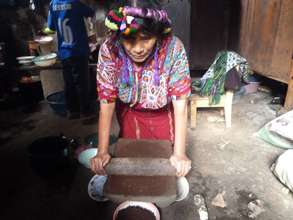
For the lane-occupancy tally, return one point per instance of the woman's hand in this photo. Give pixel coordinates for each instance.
(103, 157)
(181, 163)
(98, 163)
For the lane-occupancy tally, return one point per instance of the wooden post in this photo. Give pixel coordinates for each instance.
(289, 97)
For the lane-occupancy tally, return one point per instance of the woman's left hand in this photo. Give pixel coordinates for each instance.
(181, 163)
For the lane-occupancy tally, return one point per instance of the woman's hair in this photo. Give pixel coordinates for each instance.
(148, 25)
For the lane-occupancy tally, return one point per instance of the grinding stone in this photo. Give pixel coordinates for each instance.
(156, 189)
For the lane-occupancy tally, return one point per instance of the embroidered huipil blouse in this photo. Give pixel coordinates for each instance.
(143, 93)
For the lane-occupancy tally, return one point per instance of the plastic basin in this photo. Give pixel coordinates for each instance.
(57, 103)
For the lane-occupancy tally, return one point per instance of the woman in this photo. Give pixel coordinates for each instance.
(143, 71)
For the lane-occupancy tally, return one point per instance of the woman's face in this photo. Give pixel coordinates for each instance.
(139, 46)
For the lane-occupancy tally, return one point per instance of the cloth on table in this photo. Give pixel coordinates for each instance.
(213, 82)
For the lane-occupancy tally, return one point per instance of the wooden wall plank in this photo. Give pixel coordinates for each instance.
(283, 48)
(289, 97)
(266, 36)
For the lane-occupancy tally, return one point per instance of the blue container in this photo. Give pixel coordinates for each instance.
(57, 103)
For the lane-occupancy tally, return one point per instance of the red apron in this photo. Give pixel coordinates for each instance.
(146, 124)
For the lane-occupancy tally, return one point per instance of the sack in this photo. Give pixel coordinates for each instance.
(232, 80)
(283, 169)
(283, 126)
(279, 131)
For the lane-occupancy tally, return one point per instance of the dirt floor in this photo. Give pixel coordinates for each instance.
(229, 161)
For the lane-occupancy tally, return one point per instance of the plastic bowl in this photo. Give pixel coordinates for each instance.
(85, 156)
(251, 87)
(57, 103)
(45, 60)
(25, 58)
(25, 62)
(144, 205)
(96, 188)
(182, 188)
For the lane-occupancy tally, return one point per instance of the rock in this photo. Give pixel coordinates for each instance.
(285, 190)
(200, 205)
(255, 208)
(215, 119)
(223, 144)
(219, 201)
(252, 196)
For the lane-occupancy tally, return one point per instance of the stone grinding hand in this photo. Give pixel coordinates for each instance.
(140, 167)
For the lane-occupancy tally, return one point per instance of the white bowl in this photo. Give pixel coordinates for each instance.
(85, 156)
(25, 62)
(144, 205)
(45, 60)
(182, 188)
(96, 188)
(25, 58)
(44, 39)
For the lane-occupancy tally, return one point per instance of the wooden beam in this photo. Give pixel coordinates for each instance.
(289, 97)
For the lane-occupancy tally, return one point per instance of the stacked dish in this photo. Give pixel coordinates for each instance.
(25, 60)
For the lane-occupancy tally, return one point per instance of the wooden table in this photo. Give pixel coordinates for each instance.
(197, 101)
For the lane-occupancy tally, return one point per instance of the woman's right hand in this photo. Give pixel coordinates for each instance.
(98, 163)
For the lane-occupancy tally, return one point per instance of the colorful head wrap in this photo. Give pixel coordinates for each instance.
(128, 20)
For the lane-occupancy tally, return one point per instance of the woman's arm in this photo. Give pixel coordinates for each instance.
(105, 120)
(179, 159)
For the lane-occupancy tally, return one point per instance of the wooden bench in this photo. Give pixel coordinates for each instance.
(197, 101)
